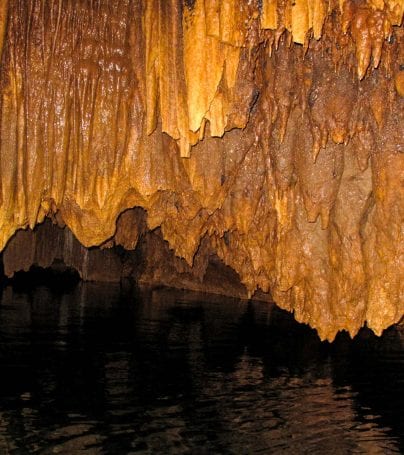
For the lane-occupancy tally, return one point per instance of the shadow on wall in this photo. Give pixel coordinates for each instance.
(59, 278)
(50, 253)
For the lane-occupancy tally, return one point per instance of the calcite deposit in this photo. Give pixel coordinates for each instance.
(268, 134)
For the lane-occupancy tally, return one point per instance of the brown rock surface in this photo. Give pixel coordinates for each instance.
(291, 116)
(147, 258)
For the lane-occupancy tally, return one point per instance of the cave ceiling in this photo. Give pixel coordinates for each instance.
(271, 131)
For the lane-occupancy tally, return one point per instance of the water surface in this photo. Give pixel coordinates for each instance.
(100, 371)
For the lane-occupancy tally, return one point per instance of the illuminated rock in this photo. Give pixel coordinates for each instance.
(270, 132)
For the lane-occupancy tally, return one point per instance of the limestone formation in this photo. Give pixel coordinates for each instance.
(267, 133)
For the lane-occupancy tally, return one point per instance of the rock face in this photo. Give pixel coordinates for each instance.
(268, 133)
(147, 258)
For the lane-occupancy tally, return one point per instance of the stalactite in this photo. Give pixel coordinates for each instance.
(289, 115)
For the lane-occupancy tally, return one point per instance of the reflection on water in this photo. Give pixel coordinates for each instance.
(100, 371)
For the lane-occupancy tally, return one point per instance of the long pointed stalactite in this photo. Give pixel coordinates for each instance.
(269, 131)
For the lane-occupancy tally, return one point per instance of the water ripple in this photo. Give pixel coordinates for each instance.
(165, 372)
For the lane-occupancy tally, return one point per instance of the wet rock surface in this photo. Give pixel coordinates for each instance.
(268, 134)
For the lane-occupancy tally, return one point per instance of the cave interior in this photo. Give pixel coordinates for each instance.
(245, 149)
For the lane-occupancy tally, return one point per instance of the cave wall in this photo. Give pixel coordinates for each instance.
(270, 133)
(144, 259)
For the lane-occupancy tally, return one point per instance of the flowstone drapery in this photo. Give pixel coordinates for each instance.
(269, 131)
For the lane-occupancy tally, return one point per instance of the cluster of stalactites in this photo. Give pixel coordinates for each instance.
(192, 53)
(302, 16)
(88, 87)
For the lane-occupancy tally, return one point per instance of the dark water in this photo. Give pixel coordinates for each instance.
(99, 371)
